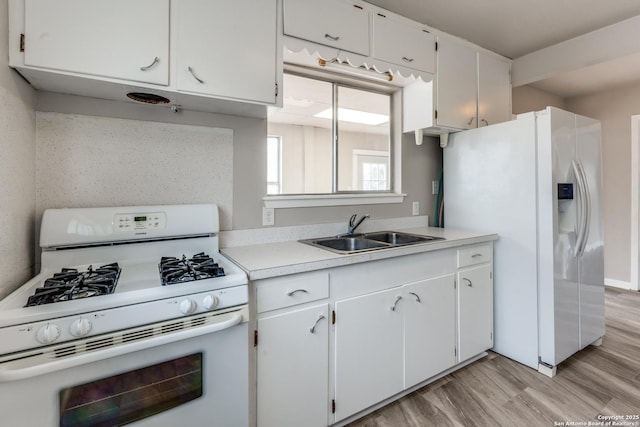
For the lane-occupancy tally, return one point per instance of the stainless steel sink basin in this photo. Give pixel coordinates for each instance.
(369, 242)
(348, 244)
(398, 238)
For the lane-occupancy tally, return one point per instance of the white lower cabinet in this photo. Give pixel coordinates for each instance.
(391, 340)
(334, 342)
(368, 348)
(293, 367)
(429, 328)
(475, 311)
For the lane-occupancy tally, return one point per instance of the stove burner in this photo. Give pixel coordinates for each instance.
(71, 284)
(179, 270)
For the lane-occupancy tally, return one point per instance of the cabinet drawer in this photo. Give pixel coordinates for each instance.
(286, 291)
(474, 255)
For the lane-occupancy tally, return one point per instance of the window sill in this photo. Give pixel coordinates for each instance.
(316, 200)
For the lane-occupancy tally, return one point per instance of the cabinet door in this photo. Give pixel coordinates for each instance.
(369, 350)
(121, 39)
(430, 328)
(494, 90)
(402, 43)
(456, 84)
(227, 48)
(475, 311)
(293, 368)
(335, 23)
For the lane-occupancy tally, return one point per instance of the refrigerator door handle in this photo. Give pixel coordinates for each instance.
(587, 205)
(583, 209)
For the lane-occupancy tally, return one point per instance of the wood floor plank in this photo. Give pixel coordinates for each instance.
(496, 391)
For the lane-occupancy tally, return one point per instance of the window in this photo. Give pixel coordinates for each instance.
(331, 138)
(273, 165)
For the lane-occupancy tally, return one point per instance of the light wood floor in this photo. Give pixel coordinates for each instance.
(496, 391)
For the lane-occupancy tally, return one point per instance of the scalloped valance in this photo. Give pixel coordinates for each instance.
(313, 55)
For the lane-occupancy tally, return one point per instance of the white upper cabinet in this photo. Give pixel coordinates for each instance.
(472, 88)
(336, 23)
(494, 90)
(120, 39)
(403, 42)
(456, 84)
(227, 48)
(218, 56)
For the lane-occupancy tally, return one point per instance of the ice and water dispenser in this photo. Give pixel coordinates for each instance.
(566, 208)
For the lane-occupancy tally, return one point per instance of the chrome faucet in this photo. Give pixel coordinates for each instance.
(353, 224)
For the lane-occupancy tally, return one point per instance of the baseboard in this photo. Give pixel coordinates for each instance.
(619, 284)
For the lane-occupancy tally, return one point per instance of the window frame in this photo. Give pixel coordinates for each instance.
(341, 198)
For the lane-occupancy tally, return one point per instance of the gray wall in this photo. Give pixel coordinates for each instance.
(421, 164)
(527, 98)
(17, 171)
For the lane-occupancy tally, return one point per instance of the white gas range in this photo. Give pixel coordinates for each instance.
(127, 293)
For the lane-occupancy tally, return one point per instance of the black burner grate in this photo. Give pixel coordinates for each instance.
(179, 270)
(70, 284)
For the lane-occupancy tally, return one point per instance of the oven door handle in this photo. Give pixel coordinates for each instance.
(230, 320)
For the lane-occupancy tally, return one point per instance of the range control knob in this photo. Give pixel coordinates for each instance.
(210, 302)
(48, 333)
(188, 306)
(80, 327)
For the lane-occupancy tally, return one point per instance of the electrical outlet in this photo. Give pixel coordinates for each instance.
(415, 209)
(434, 187)
(268, 216)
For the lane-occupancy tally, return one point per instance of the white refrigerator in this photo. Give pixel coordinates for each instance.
(537, 182)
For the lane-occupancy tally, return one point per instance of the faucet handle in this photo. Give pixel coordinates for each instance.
(352, 220)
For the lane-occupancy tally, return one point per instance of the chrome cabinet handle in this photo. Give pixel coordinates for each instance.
(416, 295)
(148, 67)
(469, 283)
(405, 59)
(291, 293)
(313, 328)
(194, 75)
(330, 37)
(393, 307)
(486, 123)
(476, 255)
(470, 120)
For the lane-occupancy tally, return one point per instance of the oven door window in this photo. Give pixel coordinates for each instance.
(131, 396)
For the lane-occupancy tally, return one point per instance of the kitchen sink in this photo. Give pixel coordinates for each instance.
(368, 242)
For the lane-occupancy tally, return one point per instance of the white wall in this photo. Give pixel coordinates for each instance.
(17, 171)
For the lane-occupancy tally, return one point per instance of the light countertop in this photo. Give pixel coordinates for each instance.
(267, 260)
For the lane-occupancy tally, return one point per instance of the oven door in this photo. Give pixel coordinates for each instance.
(188, 372)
